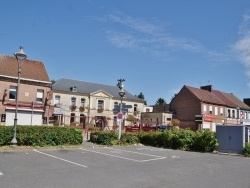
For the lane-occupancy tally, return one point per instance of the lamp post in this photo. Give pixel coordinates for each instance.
(20, 57)
(238, 114)
(122, 93)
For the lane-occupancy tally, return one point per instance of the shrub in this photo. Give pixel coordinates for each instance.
(111, 138)
(246, 150)
(104, 137)
(41, 136)
(205, 141)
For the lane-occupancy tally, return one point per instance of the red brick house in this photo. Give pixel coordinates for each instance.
(34, 90)
(204, 108)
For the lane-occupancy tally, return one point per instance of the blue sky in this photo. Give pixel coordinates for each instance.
(156, 46)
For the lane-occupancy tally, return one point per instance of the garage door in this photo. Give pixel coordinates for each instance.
(24, 118)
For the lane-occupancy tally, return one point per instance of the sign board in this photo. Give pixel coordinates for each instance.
(123, 106)
(208, 117)
(59, 111)
(3, 117)
(118, 110)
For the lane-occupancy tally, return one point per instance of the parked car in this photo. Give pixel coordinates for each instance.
(162, 127)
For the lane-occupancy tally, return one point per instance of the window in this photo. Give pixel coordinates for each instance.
(221, 111)
(233, 114)
(204, 108)
(57, 99)
(12, 94)
(216, 110)
(82, 102)
(100, 104)
(116, 104)
(73, 101)
(73, 89)
(210, 109)
(135, 107)
(39, 96)
(147, 110)
(229, 113)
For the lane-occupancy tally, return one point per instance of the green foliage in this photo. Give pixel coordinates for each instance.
(131, 118)
(246, 150)
(160, 101)
(205, 141)
(141, 96)
(41, 136)
(110, 138)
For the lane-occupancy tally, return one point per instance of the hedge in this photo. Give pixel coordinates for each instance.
(182, 139)
(111, 138)
(41, 136)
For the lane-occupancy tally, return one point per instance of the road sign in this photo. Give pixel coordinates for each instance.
(119, 115)
(118, 110)
(123, 106)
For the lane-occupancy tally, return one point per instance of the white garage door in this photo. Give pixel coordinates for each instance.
(24, 118)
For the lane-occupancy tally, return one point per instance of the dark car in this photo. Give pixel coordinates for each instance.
(162, 127)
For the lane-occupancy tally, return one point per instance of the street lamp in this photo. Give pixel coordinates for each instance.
(20, 57)
(122, 93)
(238, 114)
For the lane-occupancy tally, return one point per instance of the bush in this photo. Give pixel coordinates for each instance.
(111, 138)
(205, 141)
(104, 137)
(41, 136)
(246, 150)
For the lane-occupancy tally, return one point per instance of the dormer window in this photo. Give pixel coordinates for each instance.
(73, 89)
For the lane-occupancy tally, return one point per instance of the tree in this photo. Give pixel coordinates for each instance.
(131, 118)
(53, 81)
(141, 96)
(160, 101)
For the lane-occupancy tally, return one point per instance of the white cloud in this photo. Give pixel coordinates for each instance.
(151, 37)
(242, 46)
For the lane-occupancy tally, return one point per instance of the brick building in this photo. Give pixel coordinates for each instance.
(33, 96)
(204, 108)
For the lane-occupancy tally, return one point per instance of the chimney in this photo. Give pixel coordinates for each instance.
(207, 87)
(247, 101)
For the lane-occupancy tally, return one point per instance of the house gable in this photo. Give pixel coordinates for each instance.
(101, 94)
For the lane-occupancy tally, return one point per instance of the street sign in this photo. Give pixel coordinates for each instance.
(123, 106)
(119, 115)
(118, 110)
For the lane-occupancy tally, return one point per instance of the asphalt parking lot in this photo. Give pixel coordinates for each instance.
(129, 166)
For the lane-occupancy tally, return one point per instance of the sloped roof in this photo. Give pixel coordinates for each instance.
(236, 101)
(218, 97)
(65, 84)
(34, 70)
(205, 95)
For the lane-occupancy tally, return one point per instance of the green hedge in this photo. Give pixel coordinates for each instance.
(246, 150)
(182, 139)
(204, 141)
(111, 138)
(41, 136)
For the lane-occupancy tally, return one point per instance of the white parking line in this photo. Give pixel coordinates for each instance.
(110, 155)
(1, 174)
(60, 158)
(158, 157)
(135, 152)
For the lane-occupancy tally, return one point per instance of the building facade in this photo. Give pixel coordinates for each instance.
(204, 108)
(34, 92)
(90, 104)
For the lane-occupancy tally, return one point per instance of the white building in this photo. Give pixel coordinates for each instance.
(91, 104)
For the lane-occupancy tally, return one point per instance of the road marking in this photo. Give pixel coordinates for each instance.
(134, 152)
(110, 155)
(157, 149)
(1, 174)
(153, 159)
(60, 158)
(159, 157)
